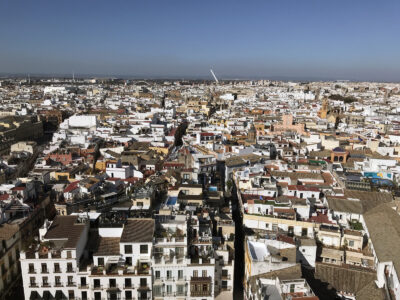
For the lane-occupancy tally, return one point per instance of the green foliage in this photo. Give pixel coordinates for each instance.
(355, 225)
(229, 184)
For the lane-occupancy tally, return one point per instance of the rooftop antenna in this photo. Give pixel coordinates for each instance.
(215, 77)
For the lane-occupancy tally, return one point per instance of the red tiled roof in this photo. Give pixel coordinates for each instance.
(207, 134)
(286, 239)
(285, 210)
(72, 186)
(320, 218)
(302, 188)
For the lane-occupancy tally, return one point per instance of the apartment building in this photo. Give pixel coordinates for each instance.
(119, 267)
(50, 266)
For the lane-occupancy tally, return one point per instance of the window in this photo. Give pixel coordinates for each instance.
(205, 287)
(143, 281)
(351, 243)
(180, 274)
(44, 268)
(267, 224)
(128, 282)
(31, 268)
(169, 289)
(128, 295)
(195, 273)
(157, 290)
(169, 274)
(96, 283)
(100, 261)
(128, 249)
(144, 249)
(128, 261)
(113, 283)
(84, 295)
(57, 280)
(157, 274)
(97, 296)
(71, 294)
(83, 281)
(180, 289)
(69, 267)
(70, 280)
(224, 284)
(69, 254)
(45, 281)
(204, 273)
(32, 281)
(57, 268)
(303, 231)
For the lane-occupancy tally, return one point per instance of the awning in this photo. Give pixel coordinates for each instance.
(35, 296)
(47, 295)
(114, 260)
(60, 295)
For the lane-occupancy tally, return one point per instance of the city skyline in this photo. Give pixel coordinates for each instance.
(292, 40)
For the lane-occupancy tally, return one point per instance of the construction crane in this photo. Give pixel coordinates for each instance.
(215, 77)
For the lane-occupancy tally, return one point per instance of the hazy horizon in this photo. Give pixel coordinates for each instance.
(296, 40)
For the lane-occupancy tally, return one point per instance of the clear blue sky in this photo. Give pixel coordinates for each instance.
(321, 39)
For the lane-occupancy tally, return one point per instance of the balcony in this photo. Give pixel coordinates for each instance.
(201, 260)
(45, 284)
(143, 269)
(128, 286)
(112, 287)
(71, 284)
(200, 293)
(201, 279)
(32, 271)
(143, 288)
(226, 277)
(97, 287)
(169, 259)
(33, 285)
(181, 293)
(58, 284)
(171, 240)
(83, 286)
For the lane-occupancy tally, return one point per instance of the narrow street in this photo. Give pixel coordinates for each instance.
(239, 248)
